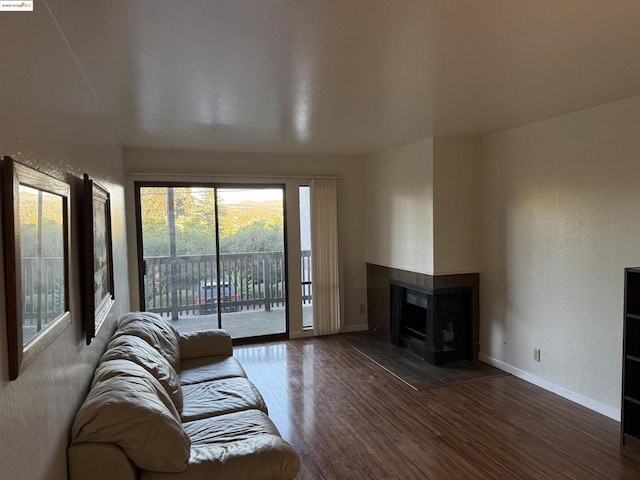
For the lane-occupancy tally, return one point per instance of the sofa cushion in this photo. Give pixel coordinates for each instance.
(127, 368)
(135, 349)
(156, 331)
(205, 343)
(207, 369)
(128, 406)
(219, 397)
(242, 445)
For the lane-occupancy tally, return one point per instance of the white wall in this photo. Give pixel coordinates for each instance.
(423, 206)
(561, 219)
(51, 120)
(400, 208)
(292, 170)
(456, 204)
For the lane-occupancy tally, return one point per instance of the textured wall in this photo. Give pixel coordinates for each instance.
(400, 208)
(456, 204)
(166, 164)
(51, 120)
(561, 219)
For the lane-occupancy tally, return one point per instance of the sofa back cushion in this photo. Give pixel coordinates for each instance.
(156, 331)
(135, 349)
(204, 343)
(127, 406)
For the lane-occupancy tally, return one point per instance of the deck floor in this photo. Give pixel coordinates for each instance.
(244, 324)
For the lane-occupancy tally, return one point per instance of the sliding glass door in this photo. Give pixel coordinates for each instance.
(213, 257)
(251, 230)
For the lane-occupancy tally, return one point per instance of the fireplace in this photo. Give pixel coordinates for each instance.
(436, 325)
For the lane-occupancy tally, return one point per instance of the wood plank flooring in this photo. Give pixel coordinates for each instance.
(350, 419)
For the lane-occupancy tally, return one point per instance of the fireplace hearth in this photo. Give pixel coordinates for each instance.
(436, 325)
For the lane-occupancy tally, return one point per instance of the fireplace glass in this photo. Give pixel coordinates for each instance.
(434, 325)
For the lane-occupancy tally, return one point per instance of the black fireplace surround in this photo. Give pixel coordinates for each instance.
(436, 325)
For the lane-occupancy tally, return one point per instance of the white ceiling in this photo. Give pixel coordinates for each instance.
(346, 76)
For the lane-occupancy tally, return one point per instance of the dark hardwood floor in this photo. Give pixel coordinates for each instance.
(350, 419)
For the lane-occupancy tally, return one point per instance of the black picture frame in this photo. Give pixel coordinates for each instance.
(98, 257)
(36, 284)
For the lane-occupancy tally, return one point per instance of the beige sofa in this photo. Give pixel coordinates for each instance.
(164, 405)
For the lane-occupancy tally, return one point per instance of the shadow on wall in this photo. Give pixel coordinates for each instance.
(494, 275)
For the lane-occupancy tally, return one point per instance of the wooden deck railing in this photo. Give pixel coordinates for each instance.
(174, 285)
(185, 285)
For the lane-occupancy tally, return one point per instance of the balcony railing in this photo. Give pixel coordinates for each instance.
(185, 285)
(173, 285)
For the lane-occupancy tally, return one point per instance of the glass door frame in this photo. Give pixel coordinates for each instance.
(141, 270)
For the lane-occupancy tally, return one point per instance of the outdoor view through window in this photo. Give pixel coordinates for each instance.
(184, 228)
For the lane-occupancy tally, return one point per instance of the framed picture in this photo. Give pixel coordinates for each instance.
(35, 219)
(98, 257)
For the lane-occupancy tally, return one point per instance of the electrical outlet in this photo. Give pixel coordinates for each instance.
(536, 354)
(363, 309)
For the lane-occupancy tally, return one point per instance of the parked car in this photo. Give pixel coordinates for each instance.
(208, 296)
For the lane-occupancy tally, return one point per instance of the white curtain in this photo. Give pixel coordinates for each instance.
(325, 257)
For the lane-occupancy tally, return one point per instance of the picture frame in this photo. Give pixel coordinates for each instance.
(98, 257)
(35, 218)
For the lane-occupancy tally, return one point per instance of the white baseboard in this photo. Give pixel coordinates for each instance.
(363, 327)
(552, 387)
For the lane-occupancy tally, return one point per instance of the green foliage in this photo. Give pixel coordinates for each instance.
(246, 226)
(256, 237)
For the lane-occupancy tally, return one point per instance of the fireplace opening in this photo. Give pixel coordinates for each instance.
(414, 315)
(434, 325)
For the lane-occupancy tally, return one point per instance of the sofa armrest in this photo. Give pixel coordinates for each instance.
(205, 343)
(99, 461)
